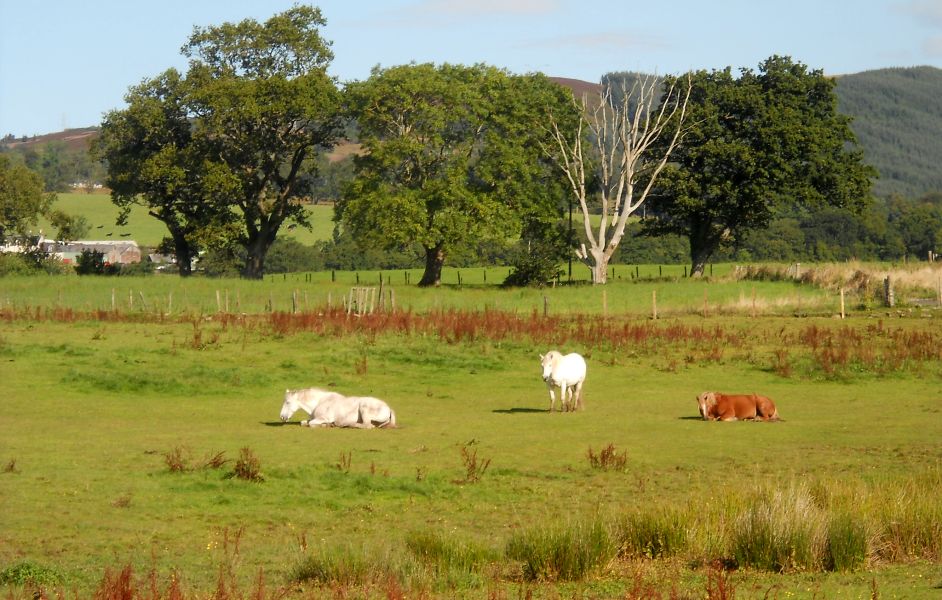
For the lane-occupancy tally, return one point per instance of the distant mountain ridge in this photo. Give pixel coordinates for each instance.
(897, 116)
(898, 122)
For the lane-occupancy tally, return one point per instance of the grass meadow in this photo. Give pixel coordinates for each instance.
(141, 454)
(101, 215)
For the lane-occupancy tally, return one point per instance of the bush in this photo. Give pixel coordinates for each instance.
(92, 262)
(31, 574)
(34, 262)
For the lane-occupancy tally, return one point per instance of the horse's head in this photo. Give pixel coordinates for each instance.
(705, 402)
(548, 361)
(291, 404)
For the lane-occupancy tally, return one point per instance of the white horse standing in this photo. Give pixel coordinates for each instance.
(326, 409)
(568, 372)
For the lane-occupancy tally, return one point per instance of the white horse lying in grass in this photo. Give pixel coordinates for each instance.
(330, 409)
(567, 372)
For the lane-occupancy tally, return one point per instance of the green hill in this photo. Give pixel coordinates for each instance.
(898, 122)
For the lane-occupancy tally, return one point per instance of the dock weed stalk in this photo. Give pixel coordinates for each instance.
(248, 466)
(474, 469)
(608, 459)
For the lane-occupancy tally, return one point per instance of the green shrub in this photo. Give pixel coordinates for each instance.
(28, 573)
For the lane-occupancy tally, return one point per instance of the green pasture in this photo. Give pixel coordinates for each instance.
(656, 289)
(93, 405)
(101, 215)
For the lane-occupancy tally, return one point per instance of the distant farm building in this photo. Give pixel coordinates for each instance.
(120, 252)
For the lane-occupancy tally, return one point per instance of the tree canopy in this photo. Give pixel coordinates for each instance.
(752, 142)
(22, 200)
(451, 157)
(222, 154)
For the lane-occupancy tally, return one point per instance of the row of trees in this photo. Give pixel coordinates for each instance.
(458, 156)
(893, 229)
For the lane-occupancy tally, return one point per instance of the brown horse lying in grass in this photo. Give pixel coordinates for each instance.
(715, 406)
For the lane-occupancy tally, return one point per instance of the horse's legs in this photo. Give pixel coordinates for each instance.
(578, 395)
(565, 397)
(552, 396)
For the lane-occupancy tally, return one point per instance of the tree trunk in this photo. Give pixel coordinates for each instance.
(184, 262)
(257, 250)
(434, 260)
(703, 243)
(600, 268)
(183, 252)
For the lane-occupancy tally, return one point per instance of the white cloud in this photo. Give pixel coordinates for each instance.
(482, 8)
(933, 47)
(604, 41)
(925, 11)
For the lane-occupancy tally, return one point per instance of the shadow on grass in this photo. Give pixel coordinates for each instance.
(513, 411)
(280, 423)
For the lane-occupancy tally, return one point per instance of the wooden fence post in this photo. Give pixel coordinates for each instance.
(654, 304)
(888, 294)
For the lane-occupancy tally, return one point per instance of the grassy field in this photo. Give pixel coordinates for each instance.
(101, 214)
(671, 295)
(98, 408)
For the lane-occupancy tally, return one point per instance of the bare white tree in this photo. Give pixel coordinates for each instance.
(614, 142)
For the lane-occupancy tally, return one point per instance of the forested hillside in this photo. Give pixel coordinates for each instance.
(898, 122)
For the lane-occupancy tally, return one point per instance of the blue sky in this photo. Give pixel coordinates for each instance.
(64, 63)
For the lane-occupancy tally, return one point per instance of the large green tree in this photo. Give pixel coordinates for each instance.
(751, 142)
(235, 139)
(452, 156)
(22, 199)
(155, 160)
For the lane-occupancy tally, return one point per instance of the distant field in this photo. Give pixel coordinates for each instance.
(148, 231)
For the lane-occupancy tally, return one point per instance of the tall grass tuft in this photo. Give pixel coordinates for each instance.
(339, 566)
(655, 534)
(782, 530)
(910, 519)
(567, 553)
(847, 543)
(456, 562)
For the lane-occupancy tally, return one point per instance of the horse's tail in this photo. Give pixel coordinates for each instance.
(391, 423)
